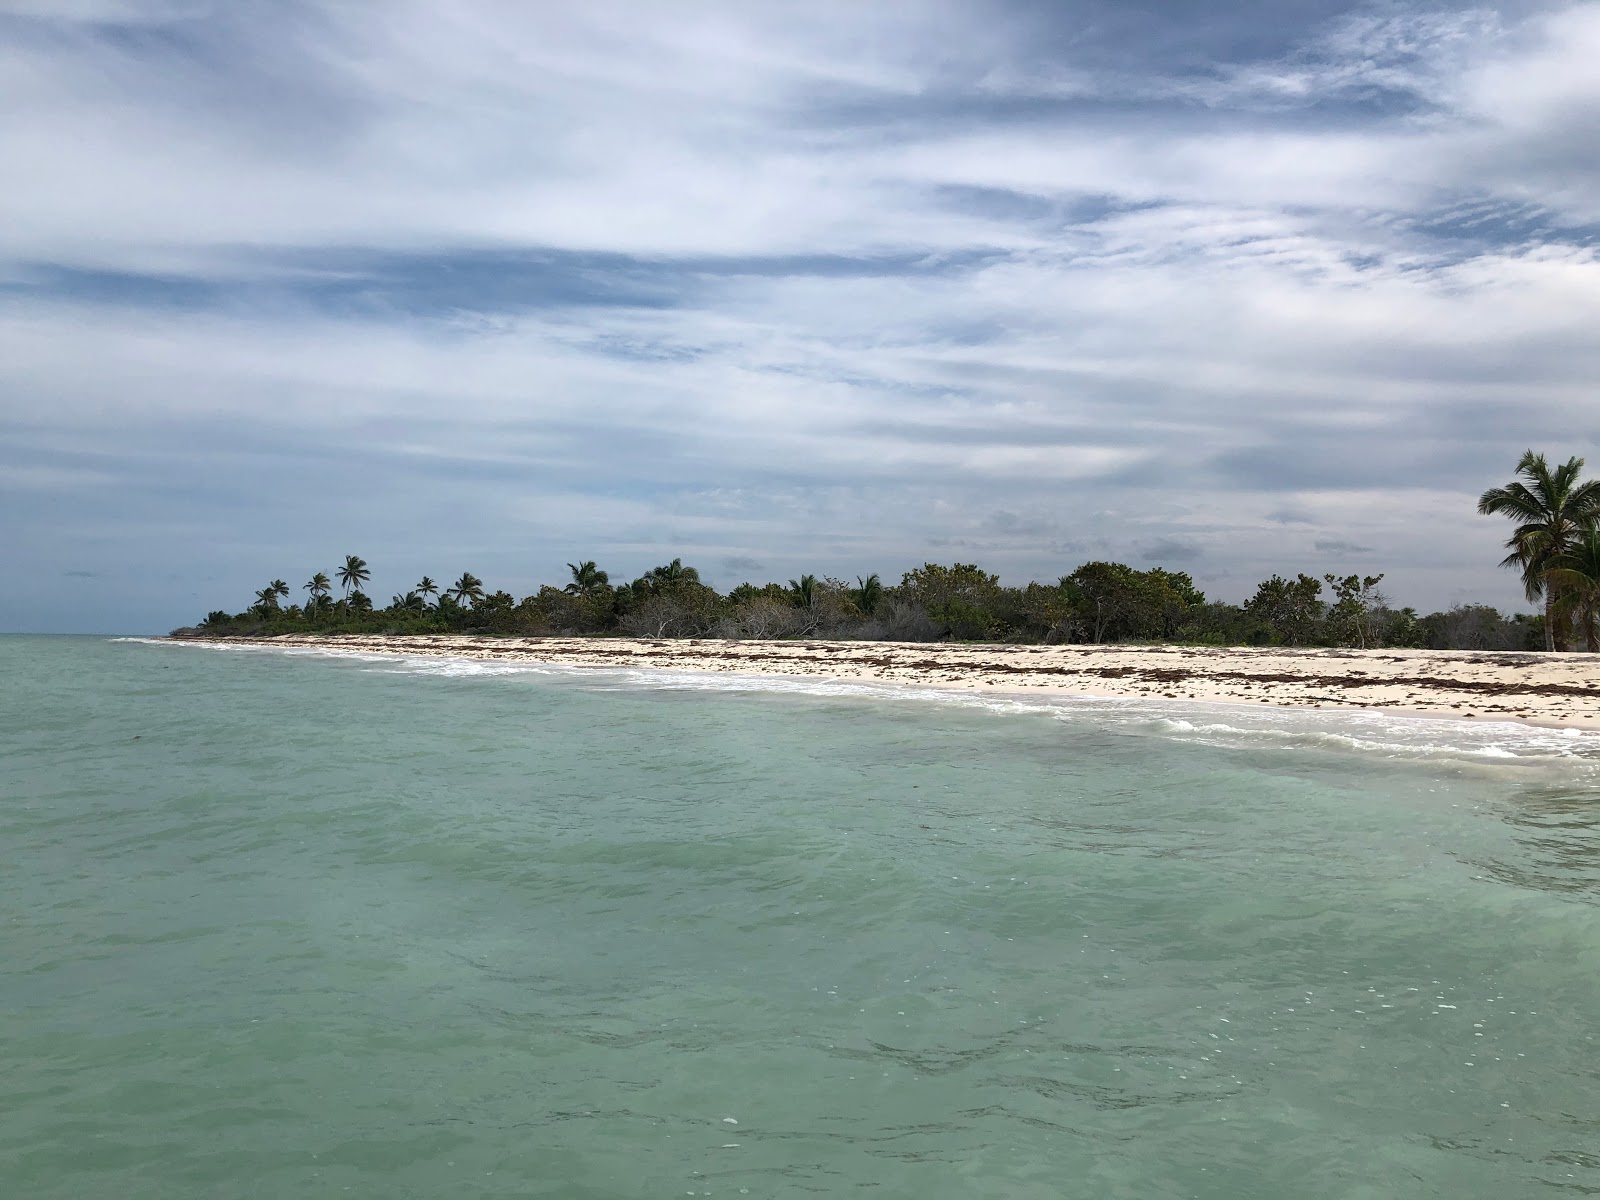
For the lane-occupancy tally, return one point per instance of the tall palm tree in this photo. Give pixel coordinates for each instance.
(279, 588)
(427, 587)
(587, 579)
(319, 587)
(354, 573)
(267, 599)
(1553, 509)
(1577, 574)
(468, 587)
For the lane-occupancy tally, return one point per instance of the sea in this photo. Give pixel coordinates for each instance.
(309, 924)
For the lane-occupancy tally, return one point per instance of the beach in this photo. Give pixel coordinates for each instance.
(1544, 689)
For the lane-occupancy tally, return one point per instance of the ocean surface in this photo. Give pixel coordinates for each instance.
(290, 924)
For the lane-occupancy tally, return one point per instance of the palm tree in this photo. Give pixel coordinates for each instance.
(409, 603)
(673, 575)
(267, 600)
(1577, 575)
(427, 588)
(468, 587)
(279, 588)
(803, 591)
(360, 602)
(1553, 510)
(354, 573)
(319, 586)
(587, 579)
(867, 593)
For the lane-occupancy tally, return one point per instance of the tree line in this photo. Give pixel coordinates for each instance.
(1099, 602)
(1556, 546)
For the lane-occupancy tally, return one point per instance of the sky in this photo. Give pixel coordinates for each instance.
(1240, 288)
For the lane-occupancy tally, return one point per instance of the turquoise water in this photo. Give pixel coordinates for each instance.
(296, 925)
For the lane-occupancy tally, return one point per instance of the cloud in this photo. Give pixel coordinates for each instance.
(816, 288)
(1170, 551)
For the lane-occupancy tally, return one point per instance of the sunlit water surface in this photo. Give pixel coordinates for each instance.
(290, 924)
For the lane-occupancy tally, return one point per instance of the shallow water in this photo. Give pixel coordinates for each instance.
(306, 924)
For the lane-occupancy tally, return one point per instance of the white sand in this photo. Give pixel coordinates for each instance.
(1544, 689)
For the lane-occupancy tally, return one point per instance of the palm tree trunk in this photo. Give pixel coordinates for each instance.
(1549, 619)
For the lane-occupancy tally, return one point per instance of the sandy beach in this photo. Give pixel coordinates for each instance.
(1543, 689)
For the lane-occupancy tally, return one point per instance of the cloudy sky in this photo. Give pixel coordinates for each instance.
(1236, 288)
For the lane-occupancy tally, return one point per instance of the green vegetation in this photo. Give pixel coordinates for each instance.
(1098, 602)
(1556, 547)
(1555, 514)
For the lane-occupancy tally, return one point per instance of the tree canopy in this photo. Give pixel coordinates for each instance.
(1555, 545)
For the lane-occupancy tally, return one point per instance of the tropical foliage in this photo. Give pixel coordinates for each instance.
(1555, 545)
(466, 590)
(1554, 511)
(1575, 577)
(354, 573)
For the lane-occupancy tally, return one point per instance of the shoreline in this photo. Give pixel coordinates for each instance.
(1546, 690)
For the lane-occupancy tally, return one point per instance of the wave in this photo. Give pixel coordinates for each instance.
(1405, 737)
(1364, 732)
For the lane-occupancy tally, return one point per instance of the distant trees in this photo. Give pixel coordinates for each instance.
(803, 591)
(959, 599)
(466, 590)
(354, 573)
(496, 612)
(317, 589)
(665, 579)
(665, 614)
(1114, 602)
(1555, 545)
(1098, 602)
(1474, 627)
(587, 579)
(866, 594)
(1290, 610)
(1352, 620)
(760, 613)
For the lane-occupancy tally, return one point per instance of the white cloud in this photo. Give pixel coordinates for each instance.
(1145, 301)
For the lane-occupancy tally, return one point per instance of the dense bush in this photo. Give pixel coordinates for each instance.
(1100, 602)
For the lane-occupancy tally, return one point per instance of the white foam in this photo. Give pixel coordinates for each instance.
(1213, 723)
